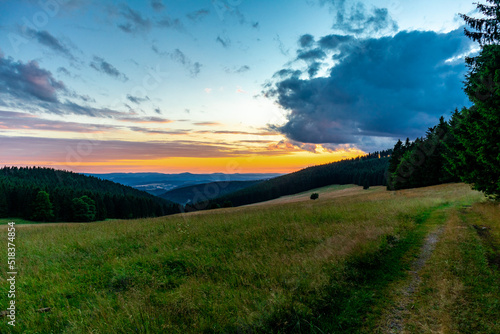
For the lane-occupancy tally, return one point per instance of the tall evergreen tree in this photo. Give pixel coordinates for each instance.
(486, 30)
(477, 129)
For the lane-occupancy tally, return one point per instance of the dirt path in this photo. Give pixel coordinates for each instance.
(394, 321)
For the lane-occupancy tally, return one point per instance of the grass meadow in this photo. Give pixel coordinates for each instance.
(323, 266)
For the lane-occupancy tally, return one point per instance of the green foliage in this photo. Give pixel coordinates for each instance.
(84, 209)
(422, 163)
(486, 30)
(475, 153)
(366, 184)
(227, 204)
(314, 196)
(20, 187)
(42, 208)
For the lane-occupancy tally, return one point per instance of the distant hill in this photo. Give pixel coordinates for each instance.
(206, 191)
(368, 170)
(19, 188)
(158, 183)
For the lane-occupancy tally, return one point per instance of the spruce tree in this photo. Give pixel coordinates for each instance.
(486, 30)
(477, 129)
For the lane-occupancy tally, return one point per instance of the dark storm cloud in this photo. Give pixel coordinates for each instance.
(48, 40)
(103, 66)
(386, 87)
(28, 81)
(306, 41)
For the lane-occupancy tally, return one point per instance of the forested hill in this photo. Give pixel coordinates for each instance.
(45, 194)
(201, 192)
(368, 170)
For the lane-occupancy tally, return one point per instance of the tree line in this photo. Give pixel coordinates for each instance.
(45, 194)
(467, 147)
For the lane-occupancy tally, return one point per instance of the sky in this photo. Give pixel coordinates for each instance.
(231, 86)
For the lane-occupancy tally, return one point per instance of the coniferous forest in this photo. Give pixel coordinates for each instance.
(44, 194)
(467, 147)
(368, 170)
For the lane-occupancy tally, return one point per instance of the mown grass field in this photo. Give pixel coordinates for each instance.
(333, 265)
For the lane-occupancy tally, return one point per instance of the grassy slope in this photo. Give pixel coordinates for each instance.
(306, 266)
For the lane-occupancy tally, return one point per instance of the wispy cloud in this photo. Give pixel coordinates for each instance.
(168, 22)
(137, 99)
(198, 15)
(48, 40)
(157, 5)
(194, 68)
(10, 120)
(207, 124)
(145, 119)
(241, 69)
(224, 41)
(135, 22)
(103, 66)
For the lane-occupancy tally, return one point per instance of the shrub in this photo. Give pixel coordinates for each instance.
(314, 196)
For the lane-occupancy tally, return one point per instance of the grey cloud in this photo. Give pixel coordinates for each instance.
(134, 21)
(333, 42)
(157, 5)
(168, 22)
(354, 18)
(311, 55)
(28, 81)
(306, 41)
(103, 66)
(136, 99)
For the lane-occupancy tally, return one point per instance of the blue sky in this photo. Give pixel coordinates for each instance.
(193, 85)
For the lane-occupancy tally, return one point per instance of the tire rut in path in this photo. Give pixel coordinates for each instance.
(395, 319)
